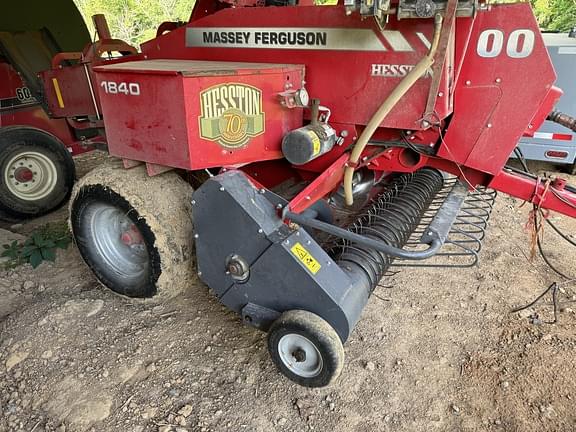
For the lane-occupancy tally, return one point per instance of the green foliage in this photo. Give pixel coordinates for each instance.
(40, 246)
(555, 15)
(135, 21)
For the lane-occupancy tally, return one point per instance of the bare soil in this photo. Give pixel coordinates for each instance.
(436, 350)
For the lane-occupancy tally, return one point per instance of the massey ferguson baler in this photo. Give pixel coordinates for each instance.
(325, 143)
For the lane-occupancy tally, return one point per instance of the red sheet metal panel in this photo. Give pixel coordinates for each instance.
(506, 52)
(351, 65)
(197, 114)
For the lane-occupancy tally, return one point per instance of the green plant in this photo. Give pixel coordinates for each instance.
(40, 246)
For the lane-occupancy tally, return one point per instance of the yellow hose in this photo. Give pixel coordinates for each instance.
(400, 90)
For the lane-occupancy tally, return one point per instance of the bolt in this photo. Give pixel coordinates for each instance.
(440, 94)
(299, 355)
(344, 133)
(468, 82)
(308, 198)
(489, 125)
(193, 202)
(498, 80)
(196, 236)
(221, 188)
(260, 231)
(530, 126)
(279, 206)
(199, 273)
(425, 123)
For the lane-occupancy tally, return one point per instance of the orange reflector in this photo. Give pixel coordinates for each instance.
(58, 92)
(556, 154)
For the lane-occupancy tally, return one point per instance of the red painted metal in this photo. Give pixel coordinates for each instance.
(546, 108)
(551, 197)
(353, 95)
(490, 85)
(321, 186)
(15, 111)
(173, 134)
(497, 97)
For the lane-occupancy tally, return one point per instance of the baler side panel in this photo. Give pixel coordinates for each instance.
(196, 115)
(149, 127)
(521, 95)
(342, 78)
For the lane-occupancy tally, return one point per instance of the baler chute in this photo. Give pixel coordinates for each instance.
(326, 144)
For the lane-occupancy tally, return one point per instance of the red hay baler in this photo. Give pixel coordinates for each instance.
(297, 152)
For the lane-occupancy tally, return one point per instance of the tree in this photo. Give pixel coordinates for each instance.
(555, 15)
(135, 21)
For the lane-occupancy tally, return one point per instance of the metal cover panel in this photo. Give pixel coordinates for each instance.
(196, 115)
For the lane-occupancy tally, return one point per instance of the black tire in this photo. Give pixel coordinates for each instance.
(156, 259)
(20, 145)
(295, 324)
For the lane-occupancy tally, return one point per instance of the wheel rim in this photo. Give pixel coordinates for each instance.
(30, 176)
(118, 242)
(300, 355)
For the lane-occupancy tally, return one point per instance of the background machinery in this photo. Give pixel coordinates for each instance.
(36, 166)
(552, 142)
(290, 154)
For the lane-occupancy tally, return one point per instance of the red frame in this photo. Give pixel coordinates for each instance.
(32, 114)
(483, 102)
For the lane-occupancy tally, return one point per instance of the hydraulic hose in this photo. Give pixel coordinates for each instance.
(563, 120)
(400, 90)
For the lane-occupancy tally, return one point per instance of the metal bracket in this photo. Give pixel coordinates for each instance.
(439, 60)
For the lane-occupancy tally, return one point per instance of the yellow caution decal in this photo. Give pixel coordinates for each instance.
(306, 258)
(58, 92)
(315, 142)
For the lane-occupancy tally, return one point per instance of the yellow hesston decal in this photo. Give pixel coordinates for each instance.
(58, 92)
(306, 258)
(231, 114)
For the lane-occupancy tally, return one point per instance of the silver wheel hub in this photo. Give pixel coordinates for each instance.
(118, 242)
(30, 176)
(300, 355)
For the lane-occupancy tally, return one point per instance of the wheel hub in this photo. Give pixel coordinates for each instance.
(300, 355)
(131, 237)
(30, 176)
(23, 175)
(118, 242)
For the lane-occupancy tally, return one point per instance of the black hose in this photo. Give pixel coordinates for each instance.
(562, 119)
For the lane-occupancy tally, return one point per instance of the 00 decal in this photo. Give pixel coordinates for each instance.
(518, 44)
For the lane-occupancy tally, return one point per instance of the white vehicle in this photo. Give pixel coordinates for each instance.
(552, 142)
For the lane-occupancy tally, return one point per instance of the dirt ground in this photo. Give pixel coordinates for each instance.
(436, 350)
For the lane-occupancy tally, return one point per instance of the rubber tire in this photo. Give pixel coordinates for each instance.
(320, 333)
(14, 140)
(161, 208)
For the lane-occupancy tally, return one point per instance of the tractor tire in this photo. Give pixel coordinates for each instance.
(306, 349)
(135, 231)
(36, 173)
